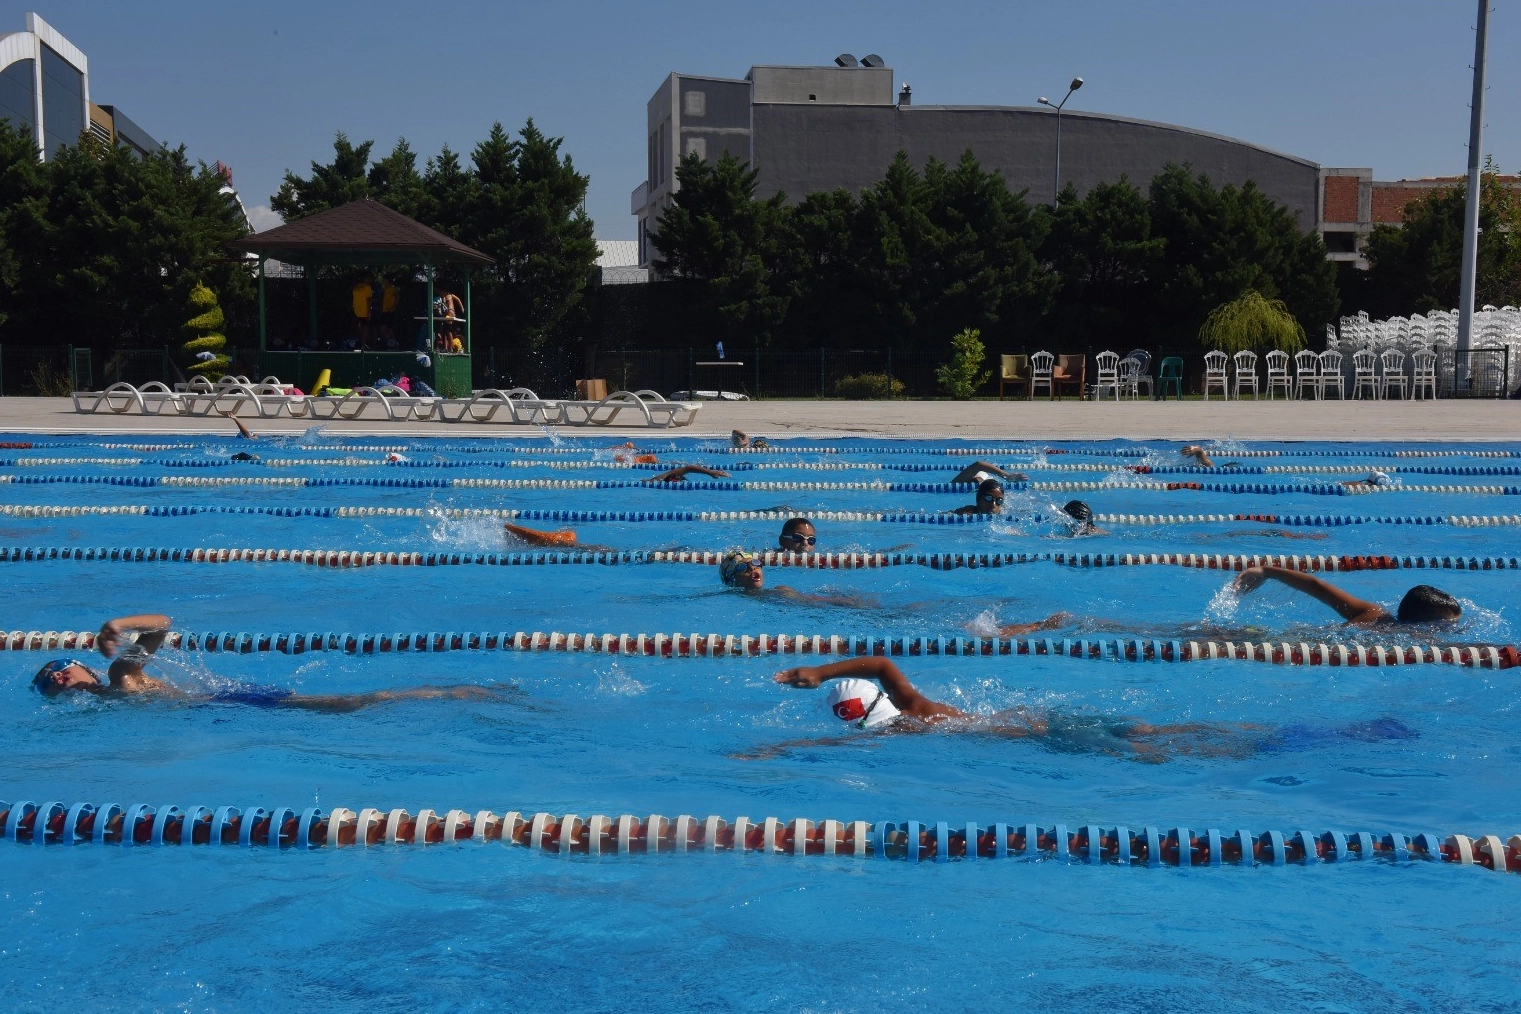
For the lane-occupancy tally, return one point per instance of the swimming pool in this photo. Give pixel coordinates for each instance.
(477, 926)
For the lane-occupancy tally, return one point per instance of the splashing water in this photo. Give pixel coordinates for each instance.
(471, 533)
(1225, 604)
(618, 683)
(984, 624)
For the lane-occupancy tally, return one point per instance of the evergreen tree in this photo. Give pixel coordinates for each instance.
(205, 330)
(717, 236)
(344, 179)
(1102, 255)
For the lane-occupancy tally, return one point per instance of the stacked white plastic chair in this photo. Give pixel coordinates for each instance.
(1306, 373)
(1392, 362)
(1365, 373)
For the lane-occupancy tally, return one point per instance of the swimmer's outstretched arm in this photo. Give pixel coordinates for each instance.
(897, 686)
(344, 703)
(1051, 622)
(847, 601)
(680, 473)
(126, 671)
(1199, 454)
(535, 537)
(1352, 608)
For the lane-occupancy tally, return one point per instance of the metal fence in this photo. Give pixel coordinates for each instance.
(1475, 373)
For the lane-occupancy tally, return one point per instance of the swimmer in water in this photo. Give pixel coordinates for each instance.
(1421, 604)
(1375, 479)
(1199, 454)
(1082, 515)
(978, 471)
(872, 693)
(798, 536)
(680, 473)
(742, 570)
(126, 678)
(739, 438)
(989, 499)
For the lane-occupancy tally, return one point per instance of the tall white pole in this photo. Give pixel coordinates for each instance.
(1471, 210)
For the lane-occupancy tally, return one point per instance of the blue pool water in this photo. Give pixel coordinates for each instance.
(478, 927)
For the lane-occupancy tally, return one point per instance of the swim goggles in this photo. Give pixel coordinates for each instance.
(808, 540)
(43, 680)
(990, 497)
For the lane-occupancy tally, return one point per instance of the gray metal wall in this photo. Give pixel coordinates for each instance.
(803, 148)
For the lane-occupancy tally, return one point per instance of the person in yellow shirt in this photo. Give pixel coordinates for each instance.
(364, 295)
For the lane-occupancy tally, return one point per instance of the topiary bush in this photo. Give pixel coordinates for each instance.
(962, 374)
(205, 330)
(868, 387)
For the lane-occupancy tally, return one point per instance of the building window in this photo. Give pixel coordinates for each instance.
(694, 104)
(62, 102)
(1341, 242)
(697, 146)
(17, 98)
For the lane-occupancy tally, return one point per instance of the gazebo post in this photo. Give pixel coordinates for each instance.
(469, 314)
(431, 326)
(263, 330)
(311, 300)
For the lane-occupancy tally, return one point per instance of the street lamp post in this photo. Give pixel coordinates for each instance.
(1056, 175)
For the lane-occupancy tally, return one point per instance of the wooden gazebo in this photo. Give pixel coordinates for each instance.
(363, 233)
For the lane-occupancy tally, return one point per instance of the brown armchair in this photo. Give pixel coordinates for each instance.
(1015, 371)
(1071, 371)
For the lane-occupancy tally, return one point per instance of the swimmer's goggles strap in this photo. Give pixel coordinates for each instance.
(870, 708)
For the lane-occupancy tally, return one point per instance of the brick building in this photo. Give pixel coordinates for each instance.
(1352, 202)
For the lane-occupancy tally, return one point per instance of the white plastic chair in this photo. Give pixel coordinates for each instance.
(1306, 373)
(1108, 364)
(1365, 373)
(1423, 375)
(1393, 363)
(1214, 373)
(1040, 373)
(1246, 373)
(1278, 374)
(1330, 374)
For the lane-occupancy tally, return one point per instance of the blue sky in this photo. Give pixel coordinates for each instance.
(264, 87)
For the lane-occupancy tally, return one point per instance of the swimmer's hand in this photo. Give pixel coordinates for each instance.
(1250, 580)
(805, 676)
(110, 638)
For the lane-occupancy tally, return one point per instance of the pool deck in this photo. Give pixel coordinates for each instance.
(1460, 420)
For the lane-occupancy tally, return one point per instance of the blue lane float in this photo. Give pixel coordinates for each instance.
(912, 841)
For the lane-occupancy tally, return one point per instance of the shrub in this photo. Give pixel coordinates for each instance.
(205, 330)
(868, 387)
(1249, 322)
(962, 374)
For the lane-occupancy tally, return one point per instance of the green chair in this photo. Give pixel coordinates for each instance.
(1171, 373)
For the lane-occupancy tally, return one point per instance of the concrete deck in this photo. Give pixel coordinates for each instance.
(1461, 420)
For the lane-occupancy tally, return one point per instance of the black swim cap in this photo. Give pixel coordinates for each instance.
(1079, 511)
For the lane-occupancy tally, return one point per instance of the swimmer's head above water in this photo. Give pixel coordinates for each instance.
(861, 703)
(739, 569)
(798, 536)
(1425, 604)
(65, 674)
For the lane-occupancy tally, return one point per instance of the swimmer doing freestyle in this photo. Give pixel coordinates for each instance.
(872, 693)
(126, 678)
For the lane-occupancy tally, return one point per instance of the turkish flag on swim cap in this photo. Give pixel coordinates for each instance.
(852, 710)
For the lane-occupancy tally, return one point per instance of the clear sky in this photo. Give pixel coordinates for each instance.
(264, 86)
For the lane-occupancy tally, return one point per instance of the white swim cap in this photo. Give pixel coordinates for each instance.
(1377, 478)
(980, 476)
(861, 702)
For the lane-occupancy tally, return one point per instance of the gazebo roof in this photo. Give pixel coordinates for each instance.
(360, 232)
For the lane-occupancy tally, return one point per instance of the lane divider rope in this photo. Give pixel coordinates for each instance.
(937, 517)
(186, 510)
(754, 646)
(345, 559)
(283, 827)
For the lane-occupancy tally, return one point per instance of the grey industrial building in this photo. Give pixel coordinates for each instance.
(807, 129)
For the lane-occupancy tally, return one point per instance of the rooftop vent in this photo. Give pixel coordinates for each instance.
(872, 60)
(845, 60)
